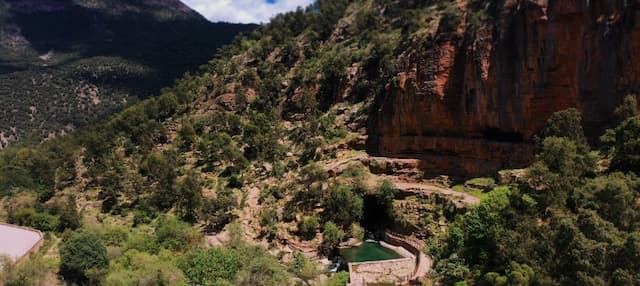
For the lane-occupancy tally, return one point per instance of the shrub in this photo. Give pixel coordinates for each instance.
(142, 242)
(187, 135)
(338, 279)
(263, 271)
(386, 194)
(214, 266)
(309, 227)
(626, 146)
(302, 267)
(189, 196)
(343, 206)
(565, 124)
(29, 217)
(140, 268)
(628, 108)
(451, 16)
(331, 235)
(79, 255)
(357, 231)
(562, 156)
(218, 212)
(30, 272)
(269, 221)
(159, 168)
(69, 216)
(235, 182)
(176, 235)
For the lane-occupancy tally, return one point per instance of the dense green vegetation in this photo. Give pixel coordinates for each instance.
(162, 174)
(566, 224)
(143, 187)
(61, 69)
(82, 256)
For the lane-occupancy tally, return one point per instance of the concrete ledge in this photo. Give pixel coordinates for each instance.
(398, 249)
(19, 242)
(395, 271)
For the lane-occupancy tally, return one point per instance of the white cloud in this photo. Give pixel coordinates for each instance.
(244, 11)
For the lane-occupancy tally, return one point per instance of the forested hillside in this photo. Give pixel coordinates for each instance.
(65, 64)
(254, 169)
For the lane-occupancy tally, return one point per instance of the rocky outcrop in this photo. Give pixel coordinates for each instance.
(469, 100)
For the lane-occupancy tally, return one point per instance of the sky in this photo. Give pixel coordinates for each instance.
(244, 11)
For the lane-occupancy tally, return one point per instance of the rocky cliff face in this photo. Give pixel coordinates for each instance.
(469, 100)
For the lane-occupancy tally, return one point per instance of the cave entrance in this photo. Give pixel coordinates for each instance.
(375, 217)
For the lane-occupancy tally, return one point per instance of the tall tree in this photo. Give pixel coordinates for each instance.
(81, 254)
(189, 196)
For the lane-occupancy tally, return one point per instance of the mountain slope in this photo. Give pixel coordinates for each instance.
(276, 143)
(64, 64)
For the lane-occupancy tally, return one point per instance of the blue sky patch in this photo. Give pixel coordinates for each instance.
(244, 11)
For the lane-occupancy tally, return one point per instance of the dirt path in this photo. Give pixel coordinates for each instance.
(401, 172)
(249, 217)
(461, 199)
(425, 263)
(425, 188)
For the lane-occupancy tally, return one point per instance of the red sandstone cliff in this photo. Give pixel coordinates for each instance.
(469, 102)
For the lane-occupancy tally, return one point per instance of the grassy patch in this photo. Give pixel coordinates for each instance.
(474, 192)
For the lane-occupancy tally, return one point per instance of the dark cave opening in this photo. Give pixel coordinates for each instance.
(376, 217)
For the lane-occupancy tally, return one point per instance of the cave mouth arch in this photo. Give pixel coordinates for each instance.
(375, 216)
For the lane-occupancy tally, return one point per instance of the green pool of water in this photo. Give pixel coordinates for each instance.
(368, 251)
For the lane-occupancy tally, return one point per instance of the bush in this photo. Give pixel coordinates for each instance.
(176, 235)
(269, 221)
(565, 124)
(139, 268)
(159, 168)
(332, 236)
(338, 279)
(190, 197)
(235, 182)
(218, 212)
(263, 271)
(562, 156)
(343, 206)
(214, 266)
(69, 216)
(30, 272)
(626, 146)
(309, 227)
(303, 267)
(81, 255)
(357, 231)
(29, 217)
(187, 135)
(628, 108)
(142, 242)
(386, 194)
(451, 16)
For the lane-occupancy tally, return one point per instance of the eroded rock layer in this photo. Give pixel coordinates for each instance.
(468, 101)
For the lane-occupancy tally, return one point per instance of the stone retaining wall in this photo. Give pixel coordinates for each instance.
(396, 271)
(414, 246)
